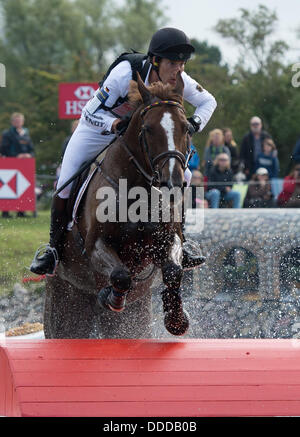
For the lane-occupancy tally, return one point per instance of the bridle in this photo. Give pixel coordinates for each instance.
(154, 178)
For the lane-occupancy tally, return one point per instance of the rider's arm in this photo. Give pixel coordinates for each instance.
(115, 86)
(201, 99)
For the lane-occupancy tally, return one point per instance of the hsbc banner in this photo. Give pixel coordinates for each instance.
(17, 183)
(72, 97)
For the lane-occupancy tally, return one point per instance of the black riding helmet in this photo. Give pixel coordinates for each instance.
(172, 44)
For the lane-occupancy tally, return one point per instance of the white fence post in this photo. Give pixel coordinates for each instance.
(2, 76)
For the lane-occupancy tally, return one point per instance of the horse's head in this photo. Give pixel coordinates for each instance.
(163, 131)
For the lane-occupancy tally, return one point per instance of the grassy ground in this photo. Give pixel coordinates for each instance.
(19, 239)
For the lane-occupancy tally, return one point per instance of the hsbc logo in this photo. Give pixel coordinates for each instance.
(72, 98)
(12, 184)
(84, 92)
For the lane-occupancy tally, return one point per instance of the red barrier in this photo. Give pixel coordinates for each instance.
(17, 183)
(147, 378)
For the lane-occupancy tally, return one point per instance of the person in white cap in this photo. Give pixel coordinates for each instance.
(259, 194)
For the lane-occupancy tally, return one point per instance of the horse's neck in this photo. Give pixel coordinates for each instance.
(117, 163)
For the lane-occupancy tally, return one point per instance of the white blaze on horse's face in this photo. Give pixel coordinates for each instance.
(167, 124)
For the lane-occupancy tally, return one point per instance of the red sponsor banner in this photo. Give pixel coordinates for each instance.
(72, 97)
(17, 183)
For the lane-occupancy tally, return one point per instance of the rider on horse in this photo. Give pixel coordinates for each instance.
(102, 119)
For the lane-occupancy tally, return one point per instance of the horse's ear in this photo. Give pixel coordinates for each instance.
(179, 84)
(145, 93)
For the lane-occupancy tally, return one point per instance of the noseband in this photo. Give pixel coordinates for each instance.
(153, 179)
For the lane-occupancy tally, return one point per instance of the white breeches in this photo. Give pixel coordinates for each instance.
(85, 144)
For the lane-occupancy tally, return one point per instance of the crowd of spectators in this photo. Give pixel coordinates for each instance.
(244, 176)
(230, 176)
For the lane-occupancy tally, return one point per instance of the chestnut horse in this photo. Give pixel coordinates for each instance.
(97, 290)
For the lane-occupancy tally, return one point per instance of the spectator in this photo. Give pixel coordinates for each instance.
(296, 152)
(232, 146)
(267, 160)
(17, 143)
(259, 194)
(220, 183)
(290, 195)
(74, 125)
(194, 163)
(251, 145)
(198, 200)
(214, 146)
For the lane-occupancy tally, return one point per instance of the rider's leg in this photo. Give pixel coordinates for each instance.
(46, 261)
(192, 254)
(85, 143)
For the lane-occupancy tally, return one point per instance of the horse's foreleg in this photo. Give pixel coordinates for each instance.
(113, 297)
(176, 320)
(107, 264)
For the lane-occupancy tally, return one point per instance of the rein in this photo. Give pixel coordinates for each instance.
(153, 179)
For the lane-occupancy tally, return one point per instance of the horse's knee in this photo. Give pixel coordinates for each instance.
(172, 275)
(120, 279)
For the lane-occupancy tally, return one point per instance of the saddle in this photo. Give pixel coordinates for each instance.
(79, 188)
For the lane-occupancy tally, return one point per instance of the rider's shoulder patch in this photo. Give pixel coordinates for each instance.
(199, 88)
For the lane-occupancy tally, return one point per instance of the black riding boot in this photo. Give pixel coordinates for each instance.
(46, 258)
(192, 254)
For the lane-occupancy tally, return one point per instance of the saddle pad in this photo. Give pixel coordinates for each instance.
(79, 197)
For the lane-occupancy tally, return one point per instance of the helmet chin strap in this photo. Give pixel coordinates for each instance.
(155, 66)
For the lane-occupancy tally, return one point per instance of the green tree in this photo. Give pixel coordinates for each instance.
(137, 22)
(99, 33)
(210, 54)
(215, 79)
(45, 42)
(40, 33)
(261, 82)
(251, 34)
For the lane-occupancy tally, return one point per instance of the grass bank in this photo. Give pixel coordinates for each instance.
(19, 239)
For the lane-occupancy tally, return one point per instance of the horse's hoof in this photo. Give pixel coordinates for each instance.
(101, 299)
(177, 324)
(116, 300)
(110, 299)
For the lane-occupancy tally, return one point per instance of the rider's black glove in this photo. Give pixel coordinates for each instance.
(193, 126)
(122, 126)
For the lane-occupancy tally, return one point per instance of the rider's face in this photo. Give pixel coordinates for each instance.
(168, 70)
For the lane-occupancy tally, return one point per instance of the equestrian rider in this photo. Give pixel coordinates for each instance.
(100, 121)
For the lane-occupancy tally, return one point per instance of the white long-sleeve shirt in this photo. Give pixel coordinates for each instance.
(117, 85)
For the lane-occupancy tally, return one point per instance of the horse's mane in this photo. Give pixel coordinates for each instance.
(157, 89)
